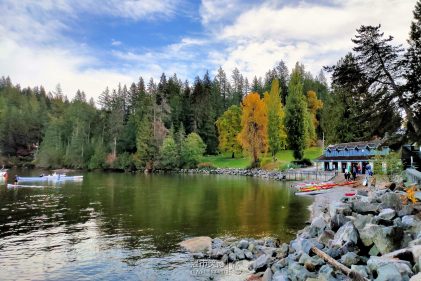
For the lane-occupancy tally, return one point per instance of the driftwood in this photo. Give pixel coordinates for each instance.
(355, 276)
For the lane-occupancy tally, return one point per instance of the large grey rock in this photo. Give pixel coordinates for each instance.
(387, 214)
(361, 269)
(346, 234)
(337, 221)
(360, 221)
(297, 272)
(365, 208)
(261, 263)
(367, 234)
(416, 277)
(267, 276)
(391, 200)
(304, 258)
(280, 276)
(232, 257)
(243, 244)
(326, 273)
(248, 254)
(306, 245)
(408, 221)
(406, 210)
(282, 251)
(317, 226)
(388, 272)
(349, 259)
(239, 253)
(326, 236)
(388, 239)
(377, 264)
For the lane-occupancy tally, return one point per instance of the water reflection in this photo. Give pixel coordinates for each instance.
(120, 226)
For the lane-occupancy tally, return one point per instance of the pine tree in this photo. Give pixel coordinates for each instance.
(413, 70)
(295, 115)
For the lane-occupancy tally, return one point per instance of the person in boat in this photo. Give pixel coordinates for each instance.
(41, 175)
(15, 181)
(6, 177)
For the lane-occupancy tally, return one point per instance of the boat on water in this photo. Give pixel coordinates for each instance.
(10, 185)
(313, 192)
(53, 177)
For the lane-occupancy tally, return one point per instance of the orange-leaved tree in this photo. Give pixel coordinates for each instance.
(254, 126)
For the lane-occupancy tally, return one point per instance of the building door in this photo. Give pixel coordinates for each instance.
(343, 167)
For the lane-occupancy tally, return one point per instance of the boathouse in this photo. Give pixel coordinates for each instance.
(342, 156)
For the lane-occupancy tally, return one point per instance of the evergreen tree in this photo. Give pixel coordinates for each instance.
(413, 72)
(295, 115)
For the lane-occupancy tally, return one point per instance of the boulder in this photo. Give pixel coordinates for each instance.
(361, 269)
(391, 200)
(243, 244)
(367, 234)
(232, 257)
(280, 276)
(349, 259)
(325, 237)
(365, 208)
(388, 272)
(406, 210)
(387, 239)
(345, 235)
(360, 221)
(317, 226)
(239, 253)
(377, 264)
(374, 251)
(303, 259)
(337, 221)
(197, 244)
(260, 264)
(298, 272)
(387, 214)
(267, 276)
(282, 251)
(248, 254)
(326, 273)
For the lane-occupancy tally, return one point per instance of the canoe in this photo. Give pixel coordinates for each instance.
(49, 178)
(314, 192)
(24, 185)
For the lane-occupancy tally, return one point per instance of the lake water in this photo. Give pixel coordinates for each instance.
(123, 226)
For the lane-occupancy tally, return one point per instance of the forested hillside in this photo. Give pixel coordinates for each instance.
(170, 123)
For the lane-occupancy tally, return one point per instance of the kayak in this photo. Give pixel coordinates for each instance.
(314, 192)
(24, 185)
(49, 178)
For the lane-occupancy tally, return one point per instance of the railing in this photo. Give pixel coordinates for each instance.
(295, 175)
(414, 176)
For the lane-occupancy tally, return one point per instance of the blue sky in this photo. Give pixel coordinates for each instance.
(90, 44)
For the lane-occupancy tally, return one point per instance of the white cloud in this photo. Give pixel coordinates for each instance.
(115, 42)
(311, 33)
(34, 51)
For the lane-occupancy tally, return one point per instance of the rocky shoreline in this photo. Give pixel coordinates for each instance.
(372, 235)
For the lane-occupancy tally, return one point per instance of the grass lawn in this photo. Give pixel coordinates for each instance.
(284, 157)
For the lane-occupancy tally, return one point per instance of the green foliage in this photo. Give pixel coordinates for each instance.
(192, 150)
(296, 116)
(169, 154)
(229, 126)
(389, 165)
(277, 136)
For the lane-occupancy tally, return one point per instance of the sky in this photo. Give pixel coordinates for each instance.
(92, 44)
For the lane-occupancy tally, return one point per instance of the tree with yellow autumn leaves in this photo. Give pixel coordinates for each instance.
(253, 136)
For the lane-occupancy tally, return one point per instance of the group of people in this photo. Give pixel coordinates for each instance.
(352, 171)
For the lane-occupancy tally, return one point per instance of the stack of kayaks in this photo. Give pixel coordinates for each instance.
(318, 188)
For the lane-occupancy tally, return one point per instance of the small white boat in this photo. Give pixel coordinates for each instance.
(25, 185)
(53, 177)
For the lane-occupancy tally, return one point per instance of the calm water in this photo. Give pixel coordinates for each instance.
(122, 226)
